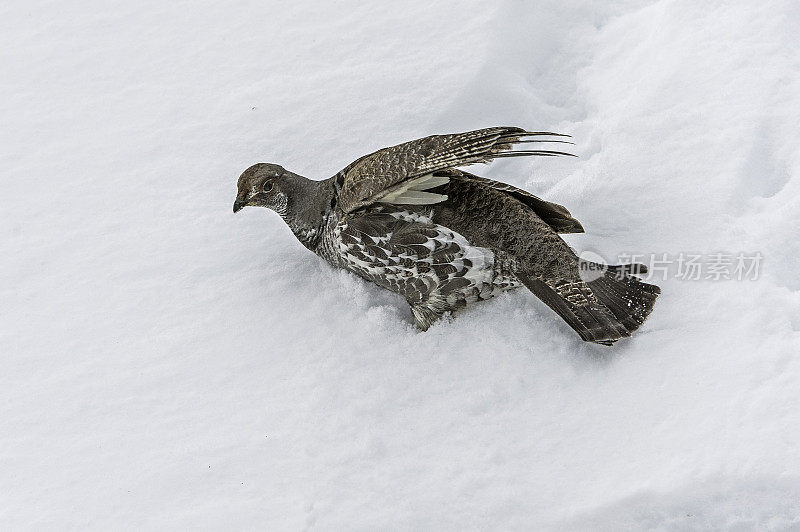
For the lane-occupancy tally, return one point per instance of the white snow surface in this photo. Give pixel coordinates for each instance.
(168, 365)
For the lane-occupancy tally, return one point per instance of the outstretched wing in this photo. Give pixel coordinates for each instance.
(401, 174)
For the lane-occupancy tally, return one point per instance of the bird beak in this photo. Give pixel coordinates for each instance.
(238, 205)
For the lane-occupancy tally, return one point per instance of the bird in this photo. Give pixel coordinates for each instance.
(410, 220)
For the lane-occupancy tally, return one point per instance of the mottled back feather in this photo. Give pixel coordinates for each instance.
(556, 216)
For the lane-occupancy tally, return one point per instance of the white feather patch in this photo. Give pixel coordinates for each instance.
(415, 197)
(411, 192)
(429, 181)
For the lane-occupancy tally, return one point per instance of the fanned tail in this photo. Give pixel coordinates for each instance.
(603, 310)
(628, 298)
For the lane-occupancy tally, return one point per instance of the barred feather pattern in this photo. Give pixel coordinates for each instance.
(372, 174)
(434, 268)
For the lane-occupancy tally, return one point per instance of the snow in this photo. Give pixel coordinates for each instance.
(169, 365)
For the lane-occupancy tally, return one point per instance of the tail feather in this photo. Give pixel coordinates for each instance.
(628, 298)
(619, 305)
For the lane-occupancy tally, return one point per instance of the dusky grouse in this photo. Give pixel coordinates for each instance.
(407, 219)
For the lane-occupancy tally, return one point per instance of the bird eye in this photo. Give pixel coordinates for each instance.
(267, 186)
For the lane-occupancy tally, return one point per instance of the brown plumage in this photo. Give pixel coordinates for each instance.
(407, 219)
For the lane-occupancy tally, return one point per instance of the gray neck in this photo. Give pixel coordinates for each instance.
(307, 209)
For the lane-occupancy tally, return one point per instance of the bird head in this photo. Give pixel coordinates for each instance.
(264, 185)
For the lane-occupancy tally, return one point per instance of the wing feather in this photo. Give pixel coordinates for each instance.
(556, 216)
(372, 178)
